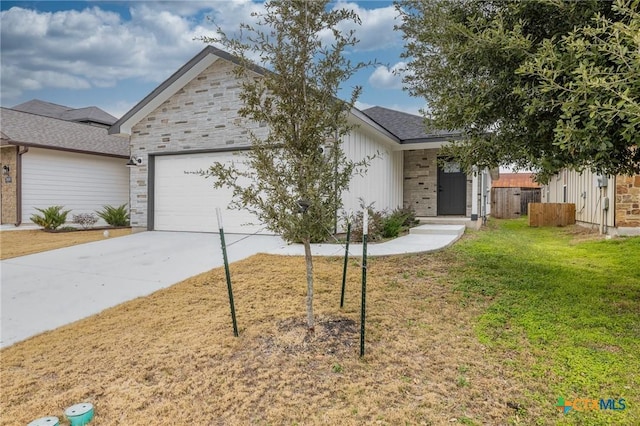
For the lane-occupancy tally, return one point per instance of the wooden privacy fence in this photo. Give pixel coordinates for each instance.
(528, 196)
(511, 203)
(552, 214)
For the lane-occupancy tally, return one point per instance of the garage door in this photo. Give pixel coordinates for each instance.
(186, 201)
(81, 183)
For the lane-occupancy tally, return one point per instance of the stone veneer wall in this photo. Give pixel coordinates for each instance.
(470, 195)
(9, 191)
(421, 181)
(200, 116)
(420, 188)
(628, 201)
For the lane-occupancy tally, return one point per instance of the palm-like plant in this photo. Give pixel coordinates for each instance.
(52, 217)
(115, 216)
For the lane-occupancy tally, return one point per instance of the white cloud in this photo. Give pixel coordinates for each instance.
(388, 77)
(119, 108)
(37, 80)
(96, 48)
(363, 105)
(376, 30)
(409, 110)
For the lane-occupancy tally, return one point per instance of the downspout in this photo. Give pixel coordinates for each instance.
(21, 150)
(483, 190)
(614, 201)
(474, 193)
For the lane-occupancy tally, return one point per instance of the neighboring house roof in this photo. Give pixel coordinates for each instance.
(408, 128)
(515, 180)
(90, 114)
(25, 129)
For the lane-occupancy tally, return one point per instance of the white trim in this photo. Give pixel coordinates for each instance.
(423, 145)
(474, 192)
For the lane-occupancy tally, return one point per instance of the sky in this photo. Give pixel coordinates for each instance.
(111, 54)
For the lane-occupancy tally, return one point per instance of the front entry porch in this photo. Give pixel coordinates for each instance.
(442, 194)
(434, 190)
(449, 220)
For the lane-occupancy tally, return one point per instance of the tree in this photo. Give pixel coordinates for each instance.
(592, 76)
(299, 170)
(472, 61)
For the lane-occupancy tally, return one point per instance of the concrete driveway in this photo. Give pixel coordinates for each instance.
(44, 291)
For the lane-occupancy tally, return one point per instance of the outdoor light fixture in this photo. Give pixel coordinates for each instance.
(5, 169)
(303, 206)
(134, 161)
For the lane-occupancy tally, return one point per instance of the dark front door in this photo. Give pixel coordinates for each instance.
(452, 189)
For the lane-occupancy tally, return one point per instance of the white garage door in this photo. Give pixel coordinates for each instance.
(81, 183)
(186, 201)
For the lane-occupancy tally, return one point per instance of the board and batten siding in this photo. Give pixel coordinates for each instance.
(582, 190)
(82, 183)
(382, 182)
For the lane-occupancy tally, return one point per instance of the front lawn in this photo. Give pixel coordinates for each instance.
(490, 331)
(564, 310)
(21, 243)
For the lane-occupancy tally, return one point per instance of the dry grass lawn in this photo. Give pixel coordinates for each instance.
(20, 243)
(479, 334)
(171, 358)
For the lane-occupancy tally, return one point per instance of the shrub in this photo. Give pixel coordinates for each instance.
(375, 223)
(51, 218)
(86, 220)
(392, 226)
(409, 216)
(381, 223)
(398, 221)
(115, 216)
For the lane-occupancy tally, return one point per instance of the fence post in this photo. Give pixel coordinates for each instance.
(346, 259)
(227, 273)
(365, 232)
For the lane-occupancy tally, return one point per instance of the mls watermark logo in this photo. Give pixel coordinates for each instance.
(587, 404)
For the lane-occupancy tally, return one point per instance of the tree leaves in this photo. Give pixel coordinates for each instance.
(542, 84)
(296, 98)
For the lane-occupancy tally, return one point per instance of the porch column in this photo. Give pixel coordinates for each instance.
(474, 194)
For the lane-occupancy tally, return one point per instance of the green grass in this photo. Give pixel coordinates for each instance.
(563, 311)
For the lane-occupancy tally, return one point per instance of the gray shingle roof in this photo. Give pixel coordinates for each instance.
(406, 127)
(48, 109)
(21, 128)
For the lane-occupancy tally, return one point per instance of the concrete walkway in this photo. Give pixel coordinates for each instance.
(421, 239)
(46, 290)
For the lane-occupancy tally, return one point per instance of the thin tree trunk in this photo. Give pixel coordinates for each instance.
(309, 262)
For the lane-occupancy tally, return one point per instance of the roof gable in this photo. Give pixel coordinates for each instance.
(169, 87)
(195, 67)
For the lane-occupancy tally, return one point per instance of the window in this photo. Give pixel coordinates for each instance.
(451, 167)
